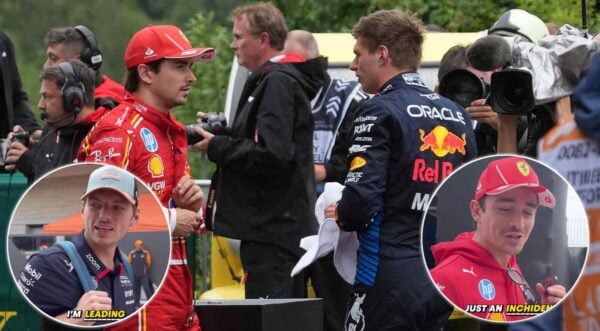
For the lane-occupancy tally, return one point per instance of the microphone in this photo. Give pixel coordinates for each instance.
(44, 118)
(489, 52)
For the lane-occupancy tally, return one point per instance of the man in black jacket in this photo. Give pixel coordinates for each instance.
(14, 109)
(265, 188)
(69, 44)
(67, 105)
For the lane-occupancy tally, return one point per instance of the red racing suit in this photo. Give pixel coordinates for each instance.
(153, 146)
(109, 89)
(467, 274)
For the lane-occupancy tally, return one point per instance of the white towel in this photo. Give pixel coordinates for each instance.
(330, 238)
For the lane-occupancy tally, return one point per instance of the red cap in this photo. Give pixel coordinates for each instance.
(156, 42)
(508, 173)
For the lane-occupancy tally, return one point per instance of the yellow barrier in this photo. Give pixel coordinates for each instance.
(5, 316)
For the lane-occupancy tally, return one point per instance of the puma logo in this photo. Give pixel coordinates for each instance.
(469, 271)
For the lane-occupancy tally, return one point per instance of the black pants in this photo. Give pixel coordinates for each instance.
(138, 282)
(403, 298)
(333, 289)
(268, 269)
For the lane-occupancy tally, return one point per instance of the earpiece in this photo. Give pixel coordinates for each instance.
(72, 91)
(90, 55)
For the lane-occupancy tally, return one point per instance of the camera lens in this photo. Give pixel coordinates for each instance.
(512, 92)
(515, 95)
(462, 87)
(22, 137)
(192, 136)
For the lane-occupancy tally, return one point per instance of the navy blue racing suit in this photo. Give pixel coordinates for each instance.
(405, 141)
(50, 281)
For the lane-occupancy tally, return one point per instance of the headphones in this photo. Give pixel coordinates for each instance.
(90, 55)
(72, 91)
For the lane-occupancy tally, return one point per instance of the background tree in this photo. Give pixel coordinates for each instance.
(208, 94)
(208, 24)
(323, 16)
(27, 21)
(562, 11)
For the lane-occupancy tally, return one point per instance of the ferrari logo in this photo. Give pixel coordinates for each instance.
(523, 168)
(183, 36)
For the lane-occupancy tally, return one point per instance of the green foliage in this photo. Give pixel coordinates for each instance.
(156, 9)
(319, 18)
(184, 9)
(210, 88)
(113, 22)
(562, 12)
(464, 16)
(415, 6)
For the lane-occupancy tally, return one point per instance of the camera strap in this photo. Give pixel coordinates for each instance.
(210, 202)
(527, 135)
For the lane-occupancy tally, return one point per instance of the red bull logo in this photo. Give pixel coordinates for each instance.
(431, 174)
(443, 142)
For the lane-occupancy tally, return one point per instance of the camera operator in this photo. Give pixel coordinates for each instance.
(555, 64)
(14, 108)
(448, 75)
(470, 88)
(67, 105)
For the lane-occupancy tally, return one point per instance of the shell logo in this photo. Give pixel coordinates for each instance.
(499, 317)
(357, 162)
(156, 166)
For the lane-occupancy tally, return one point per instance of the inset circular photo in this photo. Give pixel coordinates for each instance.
(505, 238)
(88, 245)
